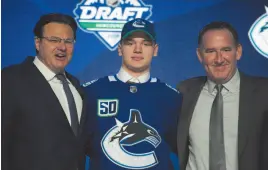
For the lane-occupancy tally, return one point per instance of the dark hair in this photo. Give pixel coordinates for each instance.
(54, 17)
(218, 25)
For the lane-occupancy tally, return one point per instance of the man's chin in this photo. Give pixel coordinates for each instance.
(220, 80)
(58, 69)
(138, 69)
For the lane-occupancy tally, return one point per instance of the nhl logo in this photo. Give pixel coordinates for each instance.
(133, 89)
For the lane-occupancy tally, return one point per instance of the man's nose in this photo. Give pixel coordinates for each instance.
(61, 45)
(219, 57)
(138, 48)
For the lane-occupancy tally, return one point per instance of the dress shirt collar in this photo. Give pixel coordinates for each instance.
(232, 85)
(46, 72)
(124, 76)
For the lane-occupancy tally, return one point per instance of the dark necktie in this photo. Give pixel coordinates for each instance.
(216, 137)
(71, 103)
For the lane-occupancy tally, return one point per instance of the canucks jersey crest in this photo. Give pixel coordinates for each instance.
(130, 133)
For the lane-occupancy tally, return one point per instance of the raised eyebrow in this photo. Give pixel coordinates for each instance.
(209, 49)
(62, 38)
(224, 48)
(55, 37)
(70, 39)
(148, 40)
(128, 39)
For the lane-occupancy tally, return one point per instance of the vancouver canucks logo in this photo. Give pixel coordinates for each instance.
(258, 34)
(130, 133)
(139, 24)
(106, 18)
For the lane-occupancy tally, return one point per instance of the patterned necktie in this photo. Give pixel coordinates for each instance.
(71, 103)
(216, 135)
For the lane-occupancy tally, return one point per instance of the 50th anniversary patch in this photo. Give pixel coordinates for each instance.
(106, 18)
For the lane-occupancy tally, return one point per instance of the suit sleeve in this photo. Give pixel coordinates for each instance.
(172, 135)
(8, 113)
(264, 133)
(264, 144)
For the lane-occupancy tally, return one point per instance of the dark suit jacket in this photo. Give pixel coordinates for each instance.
(264, 143)
(253, 105)
(36, 134)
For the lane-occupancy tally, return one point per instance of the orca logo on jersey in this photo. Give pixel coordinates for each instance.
(130, 133)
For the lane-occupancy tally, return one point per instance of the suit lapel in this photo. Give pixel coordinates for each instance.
(41, 88)
(246, 108)
(190, 93)
(83, 116)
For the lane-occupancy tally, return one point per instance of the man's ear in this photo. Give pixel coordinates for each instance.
(239, 51)
(199, 55)
(37, 43)
(156, 50)
(119, 49)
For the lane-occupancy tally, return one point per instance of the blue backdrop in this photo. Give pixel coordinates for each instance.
(177, 25)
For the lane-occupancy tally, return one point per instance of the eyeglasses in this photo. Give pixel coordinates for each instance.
(57, 40)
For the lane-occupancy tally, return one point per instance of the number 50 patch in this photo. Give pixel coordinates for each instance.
(107, 107)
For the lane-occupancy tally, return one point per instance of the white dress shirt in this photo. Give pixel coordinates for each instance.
(124, 76)
(57, 87)
(199, 127)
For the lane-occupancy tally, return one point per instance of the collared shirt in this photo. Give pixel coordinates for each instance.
(57, 87)
(199, 127)
(125, 76)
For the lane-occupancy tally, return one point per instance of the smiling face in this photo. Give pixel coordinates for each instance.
(219, 55)
(137, 52)
(55, 55)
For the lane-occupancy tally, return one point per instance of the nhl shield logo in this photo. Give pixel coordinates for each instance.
(106, 18)
(258, 34)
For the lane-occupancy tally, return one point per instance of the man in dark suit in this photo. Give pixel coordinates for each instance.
(42, 105)
(221, 118)
(264, 144)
